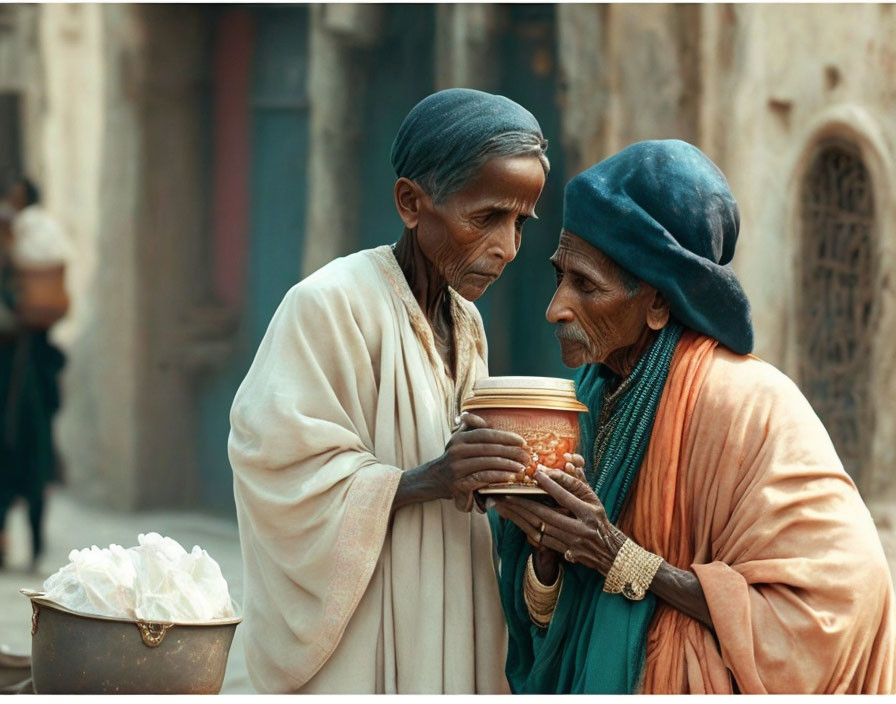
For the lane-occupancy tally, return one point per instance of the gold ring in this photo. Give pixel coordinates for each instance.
(568, 556)
(541, 533)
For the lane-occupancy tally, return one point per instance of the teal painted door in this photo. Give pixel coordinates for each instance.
(402, 73)
(277, 185)
(521, 341)
(279, 158)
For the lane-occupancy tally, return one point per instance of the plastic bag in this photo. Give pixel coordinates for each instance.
(95, 581)
(156, 581)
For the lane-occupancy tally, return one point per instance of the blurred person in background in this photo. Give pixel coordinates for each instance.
(714, 543)
(365, 568)
(34, 251)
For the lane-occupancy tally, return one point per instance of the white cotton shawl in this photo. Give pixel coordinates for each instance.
(346, 391)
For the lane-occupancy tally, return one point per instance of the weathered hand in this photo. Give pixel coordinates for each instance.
(575, 466)
(477, 456)
(585, 535)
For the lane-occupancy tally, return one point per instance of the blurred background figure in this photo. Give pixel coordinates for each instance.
(33, 255)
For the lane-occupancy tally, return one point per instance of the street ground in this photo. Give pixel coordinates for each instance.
(71, 525)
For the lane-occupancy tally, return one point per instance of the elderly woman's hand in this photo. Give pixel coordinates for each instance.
(477, 456)
(546, 561)
(579, 529)
(474, 457)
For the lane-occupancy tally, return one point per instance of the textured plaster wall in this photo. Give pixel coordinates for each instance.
(83, 152)
(168, 84)
(754, 86)
(788, 94)
(118, 135)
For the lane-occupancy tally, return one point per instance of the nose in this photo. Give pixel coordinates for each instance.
(506, 242)
(558, 311)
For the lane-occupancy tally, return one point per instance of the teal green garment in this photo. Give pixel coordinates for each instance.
(595, 642)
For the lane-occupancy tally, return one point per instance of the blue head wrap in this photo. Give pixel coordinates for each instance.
(448, 128)
(664, 212)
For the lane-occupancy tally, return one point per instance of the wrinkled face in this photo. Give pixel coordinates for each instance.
(471, 236)
(596, 316)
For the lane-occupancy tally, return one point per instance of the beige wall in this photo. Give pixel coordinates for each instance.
(82, 148)
(791, 93)
(117, 135)
(754, 86)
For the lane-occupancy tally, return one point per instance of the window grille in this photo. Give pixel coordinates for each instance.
(838, 275)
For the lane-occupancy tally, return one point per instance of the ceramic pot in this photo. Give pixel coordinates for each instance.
(543, 410)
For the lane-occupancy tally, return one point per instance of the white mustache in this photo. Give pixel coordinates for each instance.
(571, 332)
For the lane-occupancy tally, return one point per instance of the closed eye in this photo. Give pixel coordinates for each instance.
(585, 285)
(581, 283)
(483, 220)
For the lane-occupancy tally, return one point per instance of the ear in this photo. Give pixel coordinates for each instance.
(657, 311)
(408, 201)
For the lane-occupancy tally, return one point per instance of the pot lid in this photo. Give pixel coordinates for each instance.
(525, 384)
(524, 392)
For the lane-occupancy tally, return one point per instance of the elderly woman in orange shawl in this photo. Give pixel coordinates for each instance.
(714, 542)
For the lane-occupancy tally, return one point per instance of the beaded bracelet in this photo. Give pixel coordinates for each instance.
(632, 572)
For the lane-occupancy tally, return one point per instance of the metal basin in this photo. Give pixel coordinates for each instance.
(75, 653)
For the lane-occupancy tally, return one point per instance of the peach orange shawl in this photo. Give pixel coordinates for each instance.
(742, 484)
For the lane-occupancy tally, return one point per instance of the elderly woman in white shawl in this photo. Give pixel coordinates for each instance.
(365, 568)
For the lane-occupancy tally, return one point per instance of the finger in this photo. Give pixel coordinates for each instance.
(490, 435)
(464, 501)
(479, 501)
(575, 465)
(470, 421)
(464, 468)
(562, 494)
(577, 486)
(569, 481)
(525, 522)
(464, 449)
(480, 480)
(551, 538)
(575, 459)
(537, 512)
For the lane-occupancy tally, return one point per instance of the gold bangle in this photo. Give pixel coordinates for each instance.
(632, 572)
(540, 599)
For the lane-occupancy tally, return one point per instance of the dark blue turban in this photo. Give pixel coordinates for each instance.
(663, 211)
(448, 128)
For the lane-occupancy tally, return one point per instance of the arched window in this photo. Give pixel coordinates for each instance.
(837, 297)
